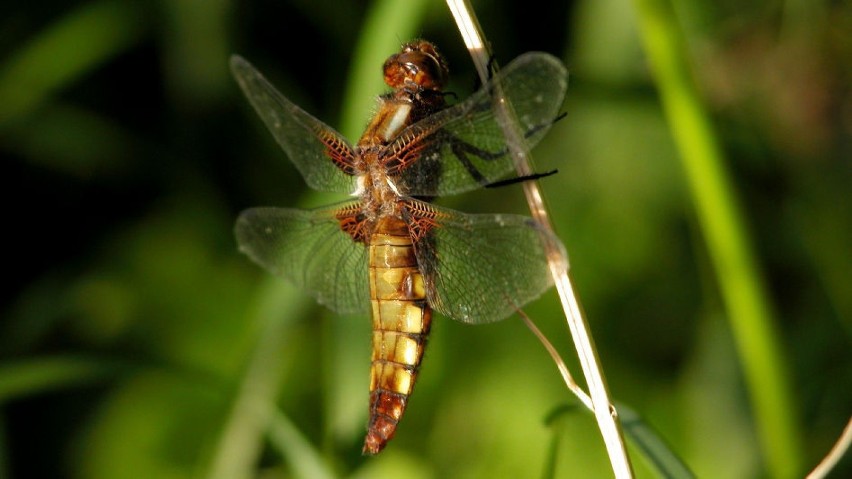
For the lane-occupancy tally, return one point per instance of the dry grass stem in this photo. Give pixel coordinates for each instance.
(837, 451)
(605, 413)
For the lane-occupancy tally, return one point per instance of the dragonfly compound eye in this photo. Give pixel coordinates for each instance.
(420, 64)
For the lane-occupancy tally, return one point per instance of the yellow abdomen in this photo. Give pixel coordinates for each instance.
(401, 320)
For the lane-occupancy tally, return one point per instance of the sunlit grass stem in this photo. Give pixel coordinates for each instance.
(722, 225)
(605, 413)
(840, 448)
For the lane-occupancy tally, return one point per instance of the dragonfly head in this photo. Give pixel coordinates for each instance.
(417, 66)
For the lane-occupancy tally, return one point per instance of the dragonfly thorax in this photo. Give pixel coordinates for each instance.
(379, 193)
(392, 116)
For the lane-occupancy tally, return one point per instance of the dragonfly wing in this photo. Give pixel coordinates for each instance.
(479, 268)
(463, 147)
(322, 155)
(310, 249)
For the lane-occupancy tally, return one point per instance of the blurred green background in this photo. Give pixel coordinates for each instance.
(135, 341)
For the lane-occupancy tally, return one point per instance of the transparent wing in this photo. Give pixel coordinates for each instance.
(463, 147)
(480, 268)
(321, 154)
(310, 249)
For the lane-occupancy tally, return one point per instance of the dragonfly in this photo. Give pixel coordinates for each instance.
(389, 251)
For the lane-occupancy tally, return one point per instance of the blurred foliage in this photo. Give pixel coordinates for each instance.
(136, 342)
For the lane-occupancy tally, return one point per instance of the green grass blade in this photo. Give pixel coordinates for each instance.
(32, 376)
(653, 447)
(723, 228)
(304, 460)
(65, 51)
(276, 307)
(375, 43)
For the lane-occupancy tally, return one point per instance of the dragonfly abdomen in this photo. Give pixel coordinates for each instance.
(401, 320)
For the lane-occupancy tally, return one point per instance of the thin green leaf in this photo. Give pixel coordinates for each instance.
(31, 376)
(375, 43)
(64, 52)
(303, 458)
(654, 448)
(727, 239)
(277, 304)
(640, 434)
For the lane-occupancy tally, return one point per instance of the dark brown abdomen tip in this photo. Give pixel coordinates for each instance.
(380, 432)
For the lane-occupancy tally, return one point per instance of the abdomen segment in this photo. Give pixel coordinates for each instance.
(401, 320)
